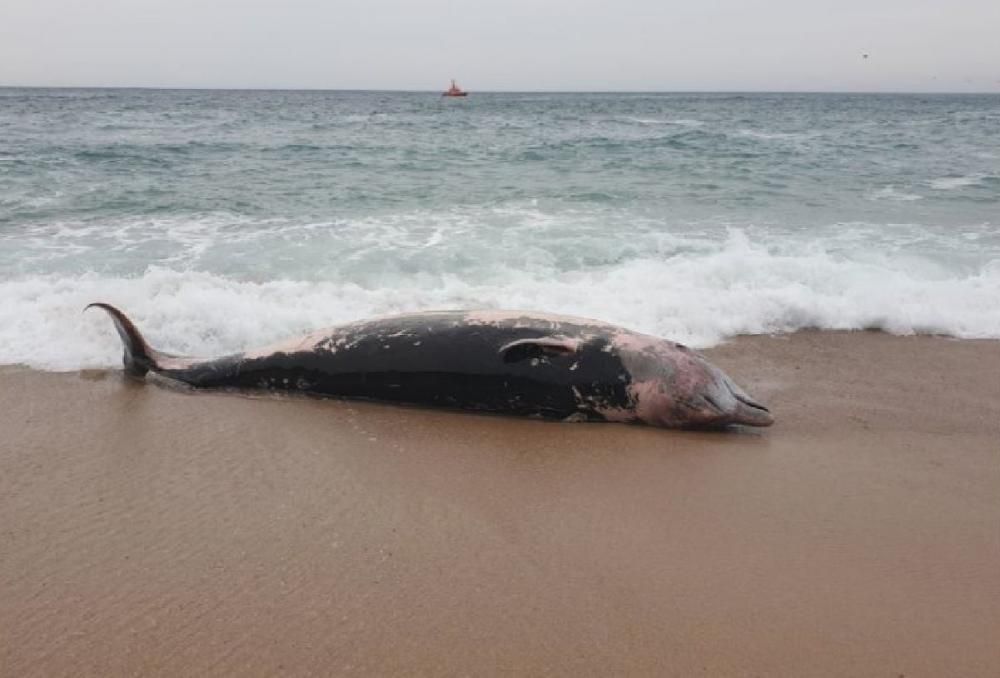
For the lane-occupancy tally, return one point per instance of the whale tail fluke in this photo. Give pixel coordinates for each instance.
(139, 357)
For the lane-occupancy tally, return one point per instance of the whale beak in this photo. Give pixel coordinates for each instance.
(733, 406)
(740, 408)
(750, 413)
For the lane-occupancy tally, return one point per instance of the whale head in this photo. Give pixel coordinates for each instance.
(677, 387)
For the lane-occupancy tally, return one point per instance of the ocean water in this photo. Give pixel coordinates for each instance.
(225, 219)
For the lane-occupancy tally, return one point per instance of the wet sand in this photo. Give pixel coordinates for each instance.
(146, 531)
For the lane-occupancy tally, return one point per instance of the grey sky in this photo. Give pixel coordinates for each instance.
(915, 45)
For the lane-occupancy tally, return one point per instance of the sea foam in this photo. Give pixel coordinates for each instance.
(697, 297)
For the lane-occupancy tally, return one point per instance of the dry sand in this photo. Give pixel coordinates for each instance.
(145, 531)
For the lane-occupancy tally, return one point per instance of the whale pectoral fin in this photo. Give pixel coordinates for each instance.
(525, 349)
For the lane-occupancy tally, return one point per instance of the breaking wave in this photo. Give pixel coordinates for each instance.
(699, 296)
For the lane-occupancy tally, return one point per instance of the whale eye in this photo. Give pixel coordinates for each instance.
(525, 349)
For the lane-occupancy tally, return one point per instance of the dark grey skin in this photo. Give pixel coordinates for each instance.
(508, 362)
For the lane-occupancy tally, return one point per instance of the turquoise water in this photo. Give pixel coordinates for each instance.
(223, 219)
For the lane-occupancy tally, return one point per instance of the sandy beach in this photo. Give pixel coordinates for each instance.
(148, 531)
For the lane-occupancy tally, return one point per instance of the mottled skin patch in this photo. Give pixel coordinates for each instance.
(554, 367)
(435, 359)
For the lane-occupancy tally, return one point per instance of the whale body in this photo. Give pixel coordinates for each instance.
(507, 362)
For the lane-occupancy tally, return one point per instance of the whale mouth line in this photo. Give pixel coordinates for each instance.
(746, 412)
(751, 403)
(751, 413)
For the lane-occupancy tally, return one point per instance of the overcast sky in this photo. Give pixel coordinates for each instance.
(914, 45)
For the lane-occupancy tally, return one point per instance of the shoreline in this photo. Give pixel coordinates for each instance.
(154, 531)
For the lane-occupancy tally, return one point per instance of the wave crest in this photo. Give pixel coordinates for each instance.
(699, 297)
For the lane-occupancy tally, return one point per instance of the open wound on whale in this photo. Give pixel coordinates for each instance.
(525, 349)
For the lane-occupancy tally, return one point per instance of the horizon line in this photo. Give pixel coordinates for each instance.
(491, 91)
